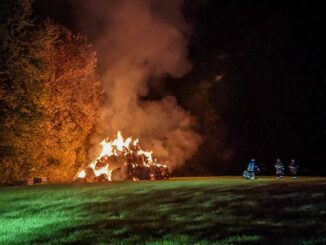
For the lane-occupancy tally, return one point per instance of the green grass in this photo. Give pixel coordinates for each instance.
(217, 210)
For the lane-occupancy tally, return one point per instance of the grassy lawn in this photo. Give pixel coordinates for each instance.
(217, 210)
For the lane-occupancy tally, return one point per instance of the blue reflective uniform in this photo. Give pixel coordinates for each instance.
(251, 166)
(250, 172)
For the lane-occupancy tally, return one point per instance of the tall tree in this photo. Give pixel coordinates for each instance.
(74, 99)
(23, 90)
(49, 95)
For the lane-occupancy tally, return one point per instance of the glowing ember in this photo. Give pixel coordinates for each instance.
(127, 156)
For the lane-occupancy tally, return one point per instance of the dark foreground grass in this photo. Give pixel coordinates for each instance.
(221, 210)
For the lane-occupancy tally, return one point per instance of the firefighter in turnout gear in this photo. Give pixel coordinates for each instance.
(250, 172)
(279, 167)
(293, 168)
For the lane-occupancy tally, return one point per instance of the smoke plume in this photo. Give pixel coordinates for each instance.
(142, 40)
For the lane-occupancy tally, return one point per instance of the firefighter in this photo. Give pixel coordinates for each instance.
(250, 172)
(279, 167)
(293, 168)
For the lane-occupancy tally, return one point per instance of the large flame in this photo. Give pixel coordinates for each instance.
(128, 150)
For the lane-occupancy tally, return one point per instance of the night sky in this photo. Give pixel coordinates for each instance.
(270, 100)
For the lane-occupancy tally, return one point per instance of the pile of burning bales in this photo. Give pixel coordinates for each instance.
(122, 160)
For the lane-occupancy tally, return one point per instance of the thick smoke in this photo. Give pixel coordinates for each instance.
(143, 40)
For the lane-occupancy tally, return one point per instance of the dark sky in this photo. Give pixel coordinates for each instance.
(271, 99)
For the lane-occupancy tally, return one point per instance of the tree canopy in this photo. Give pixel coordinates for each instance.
(49, 96)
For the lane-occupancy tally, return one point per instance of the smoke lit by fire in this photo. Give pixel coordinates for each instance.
(142, 41)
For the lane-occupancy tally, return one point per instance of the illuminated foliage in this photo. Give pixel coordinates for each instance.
(74, 98)
(48, 95)
(23, 90)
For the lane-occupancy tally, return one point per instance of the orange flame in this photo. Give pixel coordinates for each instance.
(82, 174)
(118, 147)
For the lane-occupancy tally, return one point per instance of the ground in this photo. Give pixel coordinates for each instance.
(206, 210)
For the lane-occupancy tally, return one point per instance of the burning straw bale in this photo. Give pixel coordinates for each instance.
(125, 160)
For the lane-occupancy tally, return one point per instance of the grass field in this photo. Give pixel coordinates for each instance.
(216, 210)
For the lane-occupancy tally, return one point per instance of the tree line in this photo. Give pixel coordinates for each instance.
(49, 96)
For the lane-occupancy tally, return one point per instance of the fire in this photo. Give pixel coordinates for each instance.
(82, 174)
(125, 154)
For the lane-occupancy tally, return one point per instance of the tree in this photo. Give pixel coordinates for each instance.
(74, 99)
(23, 90)
(49, 95)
